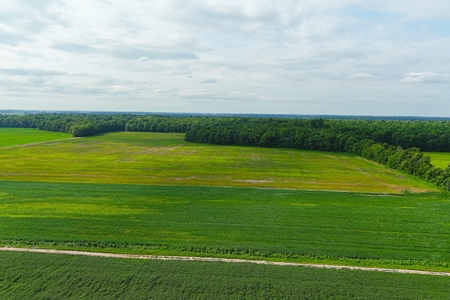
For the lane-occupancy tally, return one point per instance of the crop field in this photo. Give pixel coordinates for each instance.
(342, 228)
(439, 159)
(154, 193)
(20, 136)
(50, 276)
(158, 158)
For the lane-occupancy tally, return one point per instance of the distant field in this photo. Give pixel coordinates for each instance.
(158, 158)
(343, 228)
(47, 276)
(20, 136)
(439, 159)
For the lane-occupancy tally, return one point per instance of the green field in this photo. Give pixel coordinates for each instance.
(153, 193)
(21, 136)
(439, 159)
(159, 158)
(49, 276)
(412, 231)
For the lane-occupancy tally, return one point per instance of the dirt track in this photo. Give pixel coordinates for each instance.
(212, 259)
(37, 143)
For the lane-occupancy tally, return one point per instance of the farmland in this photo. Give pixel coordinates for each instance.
(439, 159)
(154, 193)
(156, 158)
(20, 136)
(342, 228)
(49, 276)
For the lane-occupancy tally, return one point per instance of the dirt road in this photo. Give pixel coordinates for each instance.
(212, 259)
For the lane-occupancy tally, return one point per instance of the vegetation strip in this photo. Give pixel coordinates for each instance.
(213, 259)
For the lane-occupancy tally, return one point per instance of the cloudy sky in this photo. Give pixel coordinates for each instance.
(348, 57)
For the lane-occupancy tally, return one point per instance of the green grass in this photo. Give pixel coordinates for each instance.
(50, 276)
(21, 136)
(158, 158)
(439, 159)
(411, 231)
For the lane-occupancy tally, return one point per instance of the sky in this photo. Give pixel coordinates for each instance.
(346, 57)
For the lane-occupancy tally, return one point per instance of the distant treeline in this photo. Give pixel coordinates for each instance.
(308, 134)
(393, 143)
(78, 125)
(322, 134)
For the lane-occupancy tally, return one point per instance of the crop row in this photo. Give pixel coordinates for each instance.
(50, 276)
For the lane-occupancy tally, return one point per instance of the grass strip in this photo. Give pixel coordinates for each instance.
(439, 159)
(222, 252)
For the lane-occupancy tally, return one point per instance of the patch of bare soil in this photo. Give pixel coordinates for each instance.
(184, 178)
(254, 181)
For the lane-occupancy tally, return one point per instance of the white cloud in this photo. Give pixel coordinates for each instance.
(209, 80)
(207, 94)
(210, 94)
(359, 76)
(32, 72)
(179, 73)
(425, 77)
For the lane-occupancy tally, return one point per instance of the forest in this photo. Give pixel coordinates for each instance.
(394, 143)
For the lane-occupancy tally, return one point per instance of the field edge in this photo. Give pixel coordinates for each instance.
(221, 253)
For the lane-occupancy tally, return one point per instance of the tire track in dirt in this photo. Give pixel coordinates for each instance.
(213, 259)
(38, 143)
